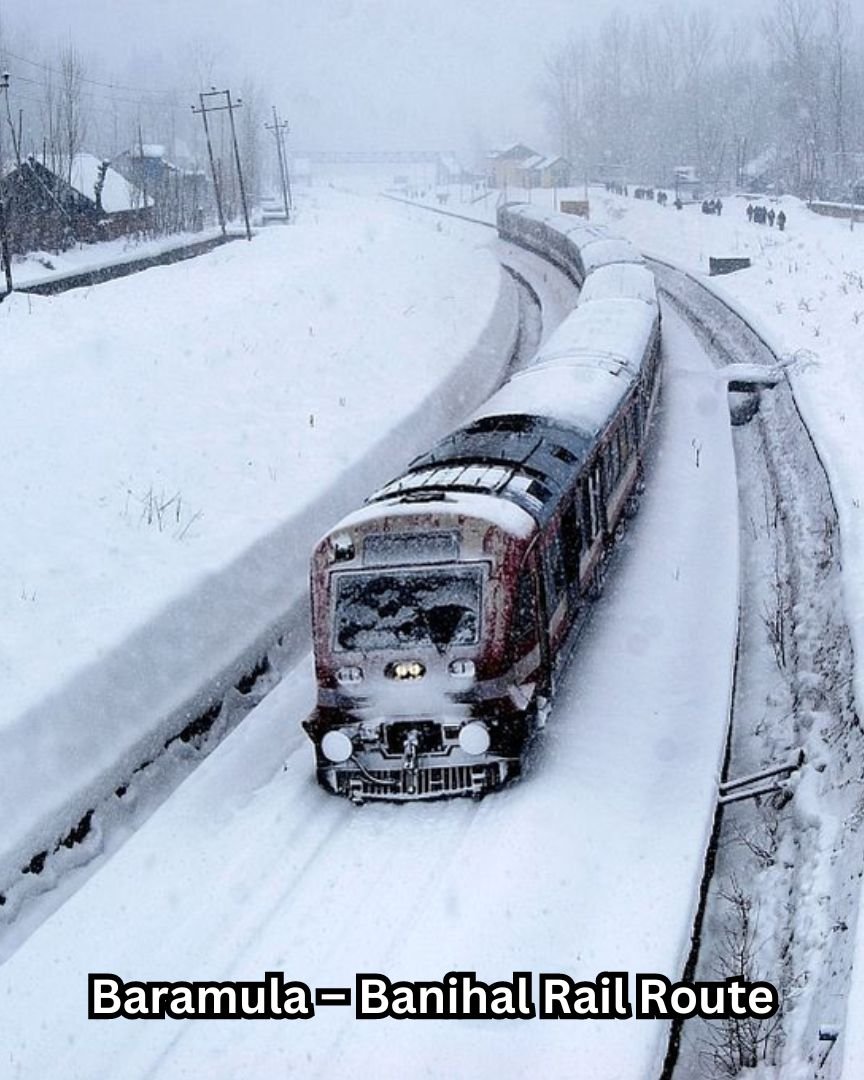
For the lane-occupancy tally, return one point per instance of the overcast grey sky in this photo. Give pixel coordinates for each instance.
(352, 73)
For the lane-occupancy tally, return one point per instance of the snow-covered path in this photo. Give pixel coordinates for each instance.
(590, 864)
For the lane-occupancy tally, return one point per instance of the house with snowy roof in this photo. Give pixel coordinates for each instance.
(520, 166)
(546, 171)
(182, 195)
(504, 166)
(90, 201)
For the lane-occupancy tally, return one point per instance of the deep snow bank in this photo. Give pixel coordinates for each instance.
(254, 376)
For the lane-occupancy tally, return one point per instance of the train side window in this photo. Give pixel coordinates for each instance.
(525, 607)
(624, 437)
(571, 538)
(614, 460)
(555, 560)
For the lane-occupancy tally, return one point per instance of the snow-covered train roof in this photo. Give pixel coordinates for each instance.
(597, 246)
(611, 328)
(480, 505)
(605, 251)
(581, 397)
(521, 447)
(619, 281)
(585, 368)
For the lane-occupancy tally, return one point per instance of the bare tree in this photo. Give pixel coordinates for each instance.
(72, 123)
(839, 33)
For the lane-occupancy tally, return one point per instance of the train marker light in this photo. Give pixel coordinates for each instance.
(462, 669)
(337, 747)
(343, 547)
(474, 738)
(345, 676)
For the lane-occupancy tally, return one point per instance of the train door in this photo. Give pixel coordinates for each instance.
(592, 505)
(531, 622)
(571, 542)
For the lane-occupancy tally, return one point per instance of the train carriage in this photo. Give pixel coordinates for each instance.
(444, 609)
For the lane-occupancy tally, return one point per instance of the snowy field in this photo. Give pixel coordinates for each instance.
(172, 447)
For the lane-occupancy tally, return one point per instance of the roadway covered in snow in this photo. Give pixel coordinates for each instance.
(591, 863)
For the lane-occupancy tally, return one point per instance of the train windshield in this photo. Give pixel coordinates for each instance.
(402, 609)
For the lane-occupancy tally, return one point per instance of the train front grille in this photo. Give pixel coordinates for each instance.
(426, 783)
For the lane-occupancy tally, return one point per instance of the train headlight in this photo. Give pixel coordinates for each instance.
(336, 747)
(406, 669)
(345, 676)
(462, 669)
(474, 738)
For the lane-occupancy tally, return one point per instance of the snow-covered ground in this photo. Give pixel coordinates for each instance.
(246, 868)
(591, 863)
(171, 449)
(39, 267)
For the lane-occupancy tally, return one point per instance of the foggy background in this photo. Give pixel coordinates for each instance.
(347, 73)
(638, 87)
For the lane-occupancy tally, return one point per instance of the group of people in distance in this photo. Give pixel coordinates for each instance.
(712, 206)
(760, 215)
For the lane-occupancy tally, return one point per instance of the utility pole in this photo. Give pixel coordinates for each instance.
(216, 189)
(231, 106)
(277, 128)
(4, 235)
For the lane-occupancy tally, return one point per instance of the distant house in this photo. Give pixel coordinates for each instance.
(545, 171)
(504, 167)
(181, 197)
(43, 211)
(46, 211)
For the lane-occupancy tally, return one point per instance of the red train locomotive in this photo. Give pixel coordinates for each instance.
(443, 610)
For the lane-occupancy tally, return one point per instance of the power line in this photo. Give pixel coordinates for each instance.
(94, 82)
(139, 103)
